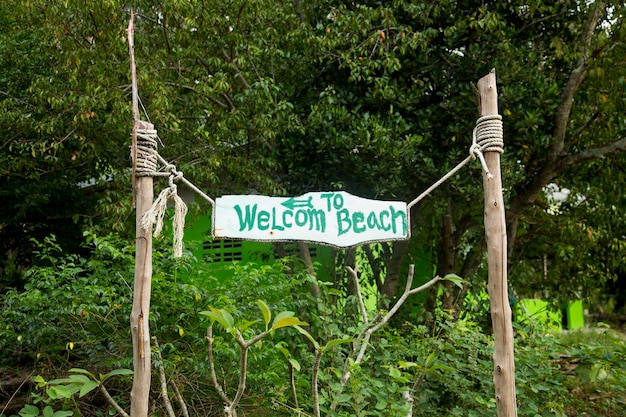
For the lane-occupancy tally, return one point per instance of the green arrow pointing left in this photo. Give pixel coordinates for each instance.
(292, 203)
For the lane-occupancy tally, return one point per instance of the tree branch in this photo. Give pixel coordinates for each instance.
(239, 75)
(181, 401)
(213, 100)
(556, 162)
(575, 80)
(111, 401)
(366, 334)
(355, 278)
(216, 384)
(594, 153)
(163, 380)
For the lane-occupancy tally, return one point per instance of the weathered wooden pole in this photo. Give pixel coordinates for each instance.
(139, 318)
(495, 231)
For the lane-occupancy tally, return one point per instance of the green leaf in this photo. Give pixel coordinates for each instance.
(295, 364)
(58, 391)
(59, 381)
(405, 365)
(284, 351)
(284, 314)
(87, 388)
(40, 381)
(83, 371)
(80, 379)
(229, 318)
(116, 372)
(455, 279)
(218, 317)
(29, 411)
(394, 372)
(267, 314)
(439, 367)
(246, 325)
(336, 342)
(430, 359)
(381, 404)
(287, 321)
(308, 336)
(47, 411)
(344, 398)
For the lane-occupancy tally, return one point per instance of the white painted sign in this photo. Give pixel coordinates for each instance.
(335, 218)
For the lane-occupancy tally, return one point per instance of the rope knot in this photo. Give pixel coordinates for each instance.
(487, 137)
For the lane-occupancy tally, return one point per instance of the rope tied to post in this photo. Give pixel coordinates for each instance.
(147, 158)
(487, 137)
(146, 152)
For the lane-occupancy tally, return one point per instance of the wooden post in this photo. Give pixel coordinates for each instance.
(139, 318)
(495, 231)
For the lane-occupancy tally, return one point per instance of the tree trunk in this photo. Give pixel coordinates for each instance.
(305, 254)
(394, 266)
(447, 259)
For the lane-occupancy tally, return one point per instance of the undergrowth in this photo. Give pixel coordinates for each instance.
(73, 313)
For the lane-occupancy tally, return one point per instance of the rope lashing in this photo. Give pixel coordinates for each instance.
(146, 165)
(146, 152)
(147, 160)
(487, 137)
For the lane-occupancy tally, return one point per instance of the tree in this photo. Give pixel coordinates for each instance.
(284, 98)
(412, 64)
(62, 117)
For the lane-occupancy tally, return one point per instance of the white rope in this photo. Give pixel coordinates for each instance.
(180, 177)
(487, 137)
(438, 183)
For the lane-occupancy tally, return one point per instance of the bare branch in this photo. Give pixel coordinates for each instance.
(213, 100)
(112, 402)
(355, 278)
(314, 385)
(594, 153)
(181, 400)
(163, 380)
(216, 384)
(575, 80)
(582, 128)
(366, 334)
(231, 409)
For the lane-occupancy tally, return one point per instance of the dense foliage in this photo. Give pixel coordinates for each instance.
(446, 367)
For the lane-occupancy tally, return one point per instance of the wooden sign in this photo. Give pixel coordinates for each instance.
(334, 218)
